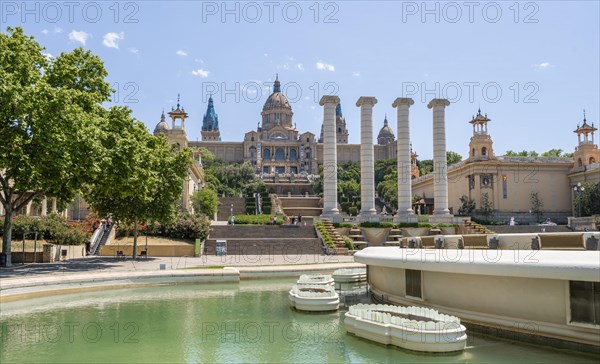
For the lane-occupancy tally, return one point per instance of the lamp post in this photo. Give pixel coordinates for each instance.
(578, 189)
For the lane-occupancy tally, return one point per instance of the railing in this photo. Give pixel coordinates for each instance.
(97, 237)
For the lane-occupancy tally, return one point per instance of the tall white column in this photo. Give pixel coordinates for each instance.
(440, 168)
(367, 158)
(405, 212)
(329, 157)
(44, 206)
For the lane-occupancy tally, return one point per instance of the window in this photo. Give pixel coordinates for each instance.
(579, 163)
(585, 302)
(293, 155)
(484, 151)
(279, 154)
(413, 283)
(592, 160)
(504, 186)
(267, 154)
(308, 140)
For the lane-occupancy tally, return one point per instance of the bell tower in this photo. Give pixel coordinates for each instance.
(586, 152)
(210, 123)
(177, 132)
(480, 146)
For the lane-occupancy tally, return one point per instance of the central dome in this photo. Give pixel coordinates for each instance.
(277, 109)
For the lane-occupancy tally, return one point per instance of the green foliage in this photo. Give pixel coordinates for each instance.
(348, 174)
(232, 179)
(53, 228)
(452, 157)
(263, 219)
(536, 205)
(467, 206)
(50, 113)
(387, 189)
(426, 166)
(487, 207)
(524, 153)
(384, 167)
(142, 174)
(343, 224)
(368, 224)
(184, 226)
(588, 201)
(327, 239)
(206, 200)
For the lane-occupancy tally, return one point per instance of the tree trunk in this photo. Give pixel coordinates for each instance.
(135, 236)
(7, 237)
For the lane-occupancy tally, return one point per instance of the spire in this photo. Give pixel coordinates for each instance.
(277, 84)
(178, 101)
(211, 119)
(162, 116)
(584, 116)
(385, 122)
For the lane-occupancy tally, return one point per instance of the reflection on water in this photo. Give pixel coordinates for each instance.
(249, 322)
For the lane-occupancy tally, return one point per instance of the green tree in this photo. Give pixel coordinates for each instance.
(536, 205)
(587, 202)
(207, 201)
(142, 174)
(487, 207)
(452, 157)
(50, 110)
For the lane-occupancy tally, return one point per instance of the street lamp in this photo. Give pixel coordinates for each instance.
(578, 189)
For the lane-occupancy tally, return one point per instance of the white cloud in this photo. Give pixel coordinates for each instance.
(313, 107)
(356, 74)
(266, 54)
(111, 39)
(57, 30)
(79, 36)
(134, 50)
(286, 67)
(45, 31)
(321, 66)
(181, 53)
(200, 73)
(48, 56)
(300, 66)
(542, 66)
(199, 60)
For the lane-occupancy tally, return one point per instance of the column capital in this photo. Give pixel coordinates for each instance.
(366, 100)
(438, 102)
(329, 99)
(403, 101)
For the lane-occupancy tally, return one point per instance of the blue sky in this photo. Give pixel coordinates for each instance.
(531, 66)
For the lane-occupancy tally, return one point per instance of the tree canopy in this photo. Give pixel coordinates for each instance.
(142, 174)
(50, 112)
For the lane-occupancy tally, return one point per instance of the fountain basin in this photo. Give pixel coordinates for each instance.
(314, 298)
(413, 328)
(315, 279)
(348, 275)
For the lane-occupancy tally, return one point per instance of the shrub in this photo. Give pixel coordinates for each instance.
(343, 224)
(368, 224)
(263, 219)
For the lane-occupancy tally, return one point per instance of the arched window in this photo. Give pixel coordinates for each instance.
(252, 152)
(307, 152)
(484, 151)
(339, 130)
(579, 163)
(592, 160)
(279, 154)
(473, 152)
(267, 154)
(252, 139)
(293, 155)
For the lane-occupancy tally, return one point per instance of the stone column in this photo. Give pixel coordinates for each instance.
(44, 206)
(367, 158)
(329, 157)
(405, 212)
(54, 208)
(440, 169)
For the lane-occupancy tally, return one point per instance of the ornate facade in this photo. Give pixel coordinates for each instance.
(210, 123)
(386, 134)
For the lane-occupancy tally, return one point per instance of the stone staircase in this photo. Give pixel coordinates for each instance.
(288, 240)
(224, 210)
(338, 240)
(300, 205)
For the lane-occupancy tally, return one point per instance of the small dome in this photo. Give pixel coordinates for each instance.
(386, 131)
(276, 101)
(162, 125)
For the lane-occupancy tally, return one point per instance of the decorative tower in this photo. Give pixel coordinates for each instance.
(178, 117)
(341, 132)
(586, 152)
(177, 135)
(386, 135)
(210, 123)
(480, 146)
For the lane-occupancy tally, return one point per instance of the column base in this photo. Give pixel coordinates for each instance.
(369, 216)
(406, 217)
(333, 215)
(441, 219)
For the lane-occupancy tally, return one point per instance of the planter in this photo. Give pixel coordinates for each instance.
(314, 298)
(315, 279)
(349, 275)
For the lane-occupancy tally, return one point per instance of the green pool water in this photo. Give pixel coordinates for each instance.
(246, 322)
